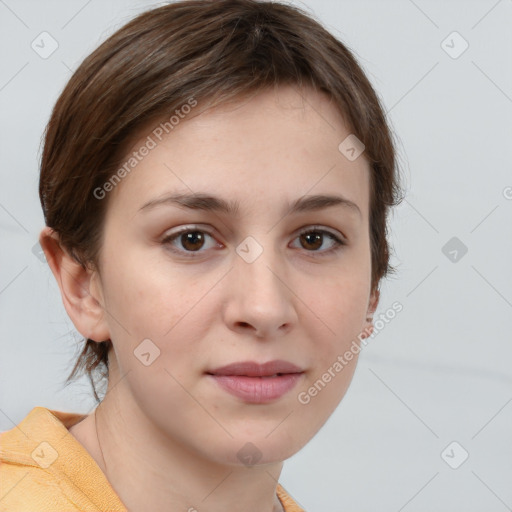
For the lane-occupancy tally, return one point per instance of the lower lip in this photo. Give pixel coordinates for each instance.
(258, 390)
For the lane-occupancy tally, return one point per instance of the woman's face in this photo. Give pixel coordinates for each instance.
(263, 282)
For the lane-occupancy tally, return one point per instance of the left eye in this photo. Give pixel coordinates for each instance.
(316, 238)
(193, 240)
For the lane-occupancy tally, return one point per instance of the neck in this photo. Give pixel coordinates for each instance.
(137, 456)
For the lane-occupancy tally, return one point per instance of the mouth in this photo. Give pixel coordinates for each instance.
(257, 383)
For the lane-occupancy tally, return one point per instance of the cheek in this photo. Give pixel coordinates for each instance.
(149, 296)
(154, 302)
(337, 310)
(335, 321)
(338, 318)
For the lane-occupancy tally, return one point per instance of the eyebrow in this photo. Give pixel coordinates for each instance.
(207, 202)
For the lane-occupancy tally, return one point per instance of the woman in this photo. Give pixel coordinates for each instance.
(216, 180)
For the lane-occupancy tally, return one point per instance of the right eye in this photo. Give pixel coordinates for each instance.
(191, 239)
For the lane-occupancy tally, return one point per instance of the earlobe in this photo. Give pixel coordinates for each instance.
(372, 306)
(83, 302)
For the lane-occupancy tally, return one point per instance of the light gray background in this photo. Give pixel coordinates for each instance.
(441, 370)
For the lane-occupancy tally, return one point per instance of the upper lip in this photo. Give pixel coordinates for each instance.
(254, 369)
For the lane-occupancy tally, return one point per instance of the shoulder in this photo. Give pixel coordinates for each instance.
(289, 504)
(44, 468)
(24, 487)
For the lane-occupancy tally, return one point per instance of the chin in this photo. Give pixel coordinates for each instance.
(258, 449)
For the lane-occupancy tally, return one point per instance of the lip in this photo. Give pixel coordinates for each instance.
(254, 369)
(257, 383)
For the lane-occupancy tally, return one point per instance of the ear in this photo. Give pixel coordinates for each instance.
(80, 288)
(372, 306)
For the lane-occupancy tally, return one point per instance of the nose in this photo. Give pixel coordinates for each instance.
(261, 298)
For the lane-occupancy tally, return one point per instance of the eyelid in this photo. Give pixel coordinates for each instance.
(186, 229)
(307, 229)
(319, 227)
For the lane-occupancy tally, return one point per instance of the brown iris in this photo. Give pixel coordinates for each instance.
(313, 237)
(192, 240)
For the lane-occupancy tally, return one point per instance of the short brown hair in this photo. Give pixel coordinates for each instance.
(212, 51)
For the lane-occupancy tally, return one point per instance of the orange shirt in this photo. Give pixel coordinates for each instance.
(43, 468)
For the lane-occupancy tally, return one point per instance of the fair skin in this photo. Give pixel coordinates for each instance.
(168, 434)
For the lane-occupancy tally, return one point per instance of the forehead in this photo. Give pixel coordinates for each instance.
(275, 145)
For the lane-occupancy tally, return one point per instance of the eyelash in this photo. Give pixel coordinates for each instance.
(338, 242)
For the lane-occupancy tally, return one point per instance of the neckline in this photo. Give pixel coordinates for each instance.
(87, 476)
